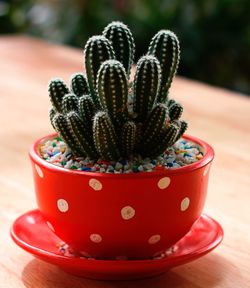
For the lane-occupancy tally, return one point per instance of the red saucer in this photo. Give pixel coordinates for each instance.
(31, 233)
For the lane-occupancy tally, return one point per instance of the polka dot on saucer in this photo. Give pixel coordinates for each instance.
(164, 182)
(62, 205)
(96, 238)
(185, 204)
(154, 239)
(127, 212)
(95, 184)
(39, 171)
(50, 226)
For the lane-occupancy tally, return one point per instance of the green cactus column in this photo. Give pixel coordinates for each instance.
(105, 138)
(165, 47)
(63, 127)
(154, 126)
(69, 103)
(79, 85)
(97, 50)
(82, 134)
(146, 85)
(182, 129)
(123, 43)
(166, 140)
(112, 87)
(128, 136)
(57, 90)
(52, 114)
(86, 110)
(175, 111)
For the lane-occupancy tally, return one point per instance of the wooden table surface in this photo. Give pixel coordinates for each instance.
(220, 117)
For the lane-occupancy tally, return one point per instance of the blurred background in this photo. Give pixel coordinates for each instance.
(214, 34)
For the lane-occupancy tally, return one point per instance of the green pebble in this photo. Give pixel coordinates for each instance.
(59, 139)
(63, 163)
(135, 168)
(73, 167)
(54, 144)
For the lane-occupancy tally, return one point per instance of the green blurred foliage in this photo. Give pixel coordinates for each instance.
(214, 34)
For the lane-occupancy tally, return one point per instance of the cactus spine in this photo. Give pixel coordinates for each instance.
(165, 47)
(105, 116)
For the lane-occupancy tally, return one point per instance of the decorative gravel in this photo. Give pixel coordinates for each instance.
(182, 153)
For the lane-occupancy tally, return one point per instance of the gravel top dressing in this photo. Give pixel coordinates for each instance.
(182, 153)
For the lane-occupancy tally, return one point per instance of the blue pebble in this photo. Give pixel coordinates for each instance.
(86, 169)
(153, 162)
(170, 164)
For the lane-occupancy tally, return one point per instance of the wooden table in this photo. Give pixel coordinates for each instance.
(220, 117)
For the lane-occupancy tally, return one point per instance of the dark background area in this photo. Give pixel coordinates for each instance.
(214, 34)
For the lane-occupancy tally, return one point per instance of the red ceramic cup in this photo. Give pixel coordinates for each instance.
(118, 216)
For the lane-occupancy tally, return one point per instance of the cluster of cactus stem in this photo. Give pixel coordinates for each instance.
(103, 115)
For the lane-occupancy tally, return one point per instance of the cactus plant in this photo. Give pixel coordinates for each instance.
(103, 115)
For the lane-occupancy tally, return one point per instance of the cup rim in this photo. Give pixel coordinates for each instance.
(207, 158)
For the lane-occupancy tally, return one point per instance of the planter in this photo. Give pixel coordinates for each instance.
(135, 215)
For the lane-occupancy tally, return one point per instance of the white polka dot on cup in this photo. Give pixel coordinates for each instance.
(154, 239)
(127, 212)
(95, 184)
(164, 182)
(39, 171)
(185, 204)
(96, 238)
(62, 205)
